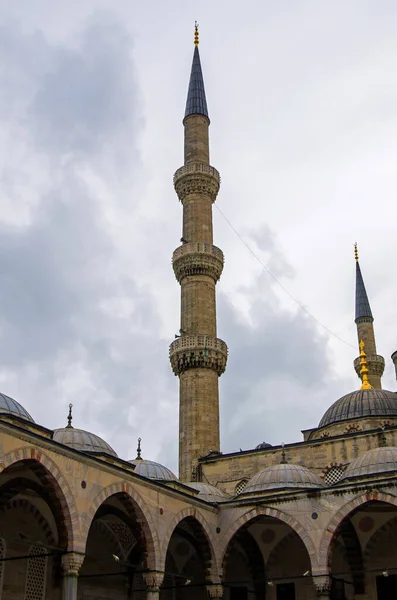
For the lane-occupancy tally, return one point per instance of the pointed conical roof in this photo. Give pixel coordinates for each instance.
(363, 308)
(196, 103)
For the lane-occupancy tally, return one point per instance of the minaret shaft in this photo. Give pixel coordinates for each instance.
(198, 305)
(197, 148)
(198, 357)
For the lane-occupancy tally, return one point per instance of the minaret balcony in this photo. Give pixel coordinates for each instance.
(376, 365)
(197, 178)
(197, 258)
(198, 351)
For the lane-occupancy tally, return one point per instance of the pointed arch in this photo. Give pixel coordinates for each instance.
(342, 513)
(258, 511)
(205, 531)
(145, 518)
(52, 478)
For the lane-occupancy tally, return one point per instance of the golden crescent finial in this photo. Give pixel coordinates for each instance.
(364, 368)
(196, 34)
(355, 251)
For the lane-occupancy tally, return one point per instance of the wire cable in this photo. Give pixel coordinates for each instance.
(285, 290)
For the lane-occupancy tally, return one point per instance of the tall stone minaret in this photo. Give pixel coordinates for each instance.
(197, 356)
(365, 331)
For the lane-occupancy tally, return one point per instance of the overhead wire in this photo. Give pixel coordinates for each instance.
(285, 290)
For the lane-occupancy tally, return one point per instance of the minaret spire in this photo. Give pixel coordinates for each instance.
(197, 356)
(196, 103)
(365, 332)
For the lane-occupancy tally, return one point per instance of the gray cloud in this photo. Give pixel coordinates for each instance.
(75, 327)
(278, 361)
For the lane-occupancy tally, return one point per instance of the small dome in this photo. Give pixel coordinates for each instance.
(282, 476)
(81, 440)
(361, 403)
(378, 460)
(208, 492)
(152, 470)
(12, 407)
(262, 446)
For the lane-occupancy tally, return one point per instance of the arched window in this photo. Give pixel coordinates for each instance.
(2, 564)
(36, 574)
(240, 486)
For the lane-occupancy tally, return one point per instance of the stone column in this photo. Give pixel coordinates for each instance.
(71, 564)
(215, 591)
(153, 581)
(323, 586)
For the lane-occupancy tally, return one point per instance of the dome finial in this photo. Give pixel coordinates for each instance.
(196, 34)
(283, 460)
(70, 416)
(138, 450)
(364, 368)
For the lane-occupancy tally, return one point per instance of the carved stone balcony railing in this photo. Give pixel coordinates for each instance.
(197, 258)
(376, 364)
(198, 351)
(197, 178)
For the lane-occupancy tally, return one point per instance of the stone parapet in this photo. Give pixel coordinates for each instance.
(197, 178)
(197, 259)
(376, 365)
(198, 351)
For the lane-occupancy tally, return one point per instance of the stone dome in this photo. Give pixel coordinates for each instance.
(262, 446)
(359, 404)
(82, 440)
(282, 476)
(208, 492)
(378, 460)
(12, 407)
(152, 470)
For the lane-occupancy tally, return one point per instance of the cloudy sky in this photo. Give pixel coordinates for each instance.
(303, 105)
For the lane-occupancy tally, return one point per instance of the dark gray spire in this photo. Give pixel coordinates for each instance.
(196, 103)
(363, 309)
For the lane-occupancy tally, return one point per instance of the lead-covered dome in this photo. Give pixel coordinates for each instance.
(152, 470)
(359, 404)
(12, 407)
(208, 492)
(263, 446)
(378, 460)
(82, 440)
(282, 476)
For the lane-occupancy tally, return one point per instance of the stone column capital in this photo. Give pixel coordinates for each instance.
(214, 590)
(153, 580)
(323, 585)
(71, 563)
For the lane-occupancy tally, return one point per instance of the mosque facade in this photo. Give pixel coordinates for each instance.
(315, 518)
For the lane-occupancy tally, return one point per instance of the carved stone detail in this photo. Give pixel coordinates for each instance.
(323, 585)
(376, 365)
(197, 178)
(153, 580)
(71, 563)
(197, 259)
(193, 351)
(214, 591)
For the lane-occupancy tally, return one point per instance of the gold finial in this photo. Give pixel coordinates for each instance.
(356, 252)
(196, 34)
(364, 368)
